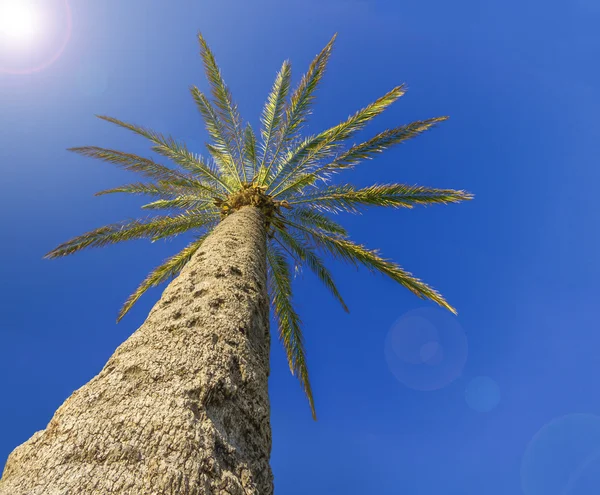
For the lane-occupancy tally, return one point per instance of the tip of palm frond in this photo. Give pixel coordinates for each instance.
(343, 303)
(112, 120)
(311, 400)
(126, 307)
(329, 46)
(433, 122)
(432, 295)
(451, 309)
(397, 91)
(205, 49)
(444, 304)
(456, 196)
(55, 253)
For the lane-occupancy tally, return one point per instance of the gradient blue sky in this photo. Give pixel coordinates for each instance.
(519, 80)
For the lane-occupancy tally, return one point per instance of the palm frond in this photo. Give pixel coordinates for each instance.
(304, 95)
(250, 159)
(221, 149)
(363, 151)
(230, 174)
(179, 153)
(300, 102)
(168, 270)
(347, 198)
(383, 141)
(312, 260)
(154, 228)
(143, 166)
(168, 147)
(357, 254)
(163, 190)
(272, 116)
(323, 145)
(315, 219)
(147, 188)
(288, 321)
(226, 108)
(191, 202)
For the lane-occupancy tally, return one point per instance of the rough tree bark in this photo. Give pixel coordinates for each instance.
(182, 406)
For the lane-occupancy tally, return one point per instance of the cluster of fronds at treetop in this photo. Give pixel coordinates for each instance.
(286, 168)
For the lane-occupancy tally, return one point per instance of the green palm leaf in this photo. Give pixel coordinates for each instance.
(356, 254)
(300, 102)
(323, 145)
(308, 256)
(272, 116)
(383, 141)
(183, 203)
(288, 321)
(314, 219)
(168, 147)
(226, 109)
(143, 166)
(153, 228)
(304, 95)
(359, 152)
(250, 160)
(348, 198)
(164, 190)
(221, 149)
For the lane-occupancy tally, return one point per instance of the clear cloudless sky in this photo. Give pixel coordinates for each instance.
(511, 404)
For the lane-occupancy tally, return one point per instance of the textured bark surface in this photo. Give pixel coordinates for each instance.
(182, 406)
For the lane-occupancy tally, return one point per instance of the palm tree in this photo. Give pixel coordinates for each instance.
(182, 406)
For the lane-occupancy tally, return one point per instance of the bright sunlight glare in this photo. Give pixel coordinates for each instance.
(19, 21)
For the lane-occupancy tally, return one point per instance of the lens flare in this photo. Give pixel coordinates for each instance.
(33, 34)
(426, 349)
(563, 458)
(19, 21)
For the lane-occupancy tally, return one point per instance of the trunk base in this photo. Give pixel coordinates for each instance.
(182, 406)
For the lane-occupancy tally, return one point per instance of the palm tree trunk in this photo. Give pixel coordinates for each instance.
(182, 406)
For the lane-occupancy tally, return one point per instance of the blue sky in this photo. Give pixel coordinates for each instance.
(512, 404)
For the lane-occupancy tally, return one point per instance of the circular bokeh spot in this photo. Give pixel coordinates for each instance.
(590, 5)
(563, 458)
(426, 349)
(432, 353)
(33, 34)
(92, 80)
(482, 394)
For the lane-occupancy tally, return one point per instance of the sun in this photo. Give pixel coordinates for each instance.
(19, 21)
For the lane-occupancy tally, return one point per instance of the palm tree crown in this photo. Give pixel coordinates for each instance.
(283, 174)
